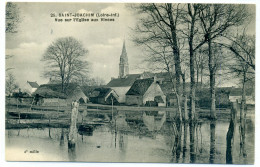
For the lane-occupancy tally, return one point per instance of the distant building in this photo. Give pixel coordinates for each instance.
(145, 91)
(122, 85)
(51, 95)
(30, 87)
(125, 80)
(104, 96)
(236, 94)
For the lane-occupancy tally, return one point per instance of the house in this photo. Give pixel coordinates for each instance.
(104, 96)
(30, 87)
(236, 94)
(122, 85)
(52, 95)
(145, 91)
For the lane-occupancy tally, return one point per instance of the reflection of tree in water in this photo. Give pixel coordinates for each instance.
(72, 154)
(62, 137)
(212, 141)
(178, 141)
(230, 134)
(185, 133)
(192, 143)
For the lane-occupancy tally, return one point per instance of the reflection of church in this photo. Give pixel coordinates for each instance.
(136, 89)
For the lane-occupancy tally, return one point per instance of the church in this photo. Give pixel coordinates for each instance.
(126, 85)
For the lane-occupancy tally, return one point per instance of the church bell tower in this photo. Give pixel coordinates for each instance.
(123, 64)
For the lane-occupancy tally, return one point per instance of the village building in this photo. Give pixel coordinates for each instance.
(123, 83)
(104, 96)
(146, 92)
(236, 94)
(125, 80)
(30, 87)
(51, 95)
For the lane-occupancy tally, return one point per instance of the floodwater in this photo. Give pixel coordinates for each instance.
(152, 138)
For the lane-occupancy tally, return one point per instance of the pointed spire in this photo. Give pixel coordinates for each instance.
(123, 64)
(124, 49)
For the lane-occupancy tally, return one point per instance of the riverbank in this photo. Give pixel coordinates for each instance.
(23, 116)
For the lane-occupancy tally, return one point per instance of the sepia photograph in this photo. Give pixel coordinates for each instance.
(130, 82)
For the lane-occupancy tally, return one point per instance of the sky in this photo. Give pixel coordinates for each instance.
(103, 40)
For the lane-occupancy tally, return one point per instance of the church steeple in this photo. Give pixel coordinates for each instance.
(123, 65)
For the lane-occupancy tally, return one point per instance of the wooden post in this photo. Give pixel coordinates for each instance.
(231, 133)
(19, 114)
(73, 125)
(49, 127)
(58, 104)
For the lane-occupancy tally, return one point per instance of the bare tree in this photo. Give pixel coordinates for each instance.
(10, 84)
(200, 65)
(96, 81)
(12, 17)
(216, 19)
(243, 64)
(65, 60)
(157, 30)
(189, 30)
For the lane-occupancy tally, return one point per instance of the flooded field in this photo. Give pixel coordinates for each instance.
(152, 138)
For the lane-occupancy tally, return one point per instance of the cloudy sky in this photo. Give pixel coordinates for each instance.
(103, 40)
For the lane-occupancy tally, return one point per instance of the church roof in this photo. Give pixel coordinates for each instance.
(140, 86)
(123, 82)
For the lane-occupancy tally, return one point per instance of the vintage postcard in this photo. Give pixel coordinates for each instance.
(122, 82)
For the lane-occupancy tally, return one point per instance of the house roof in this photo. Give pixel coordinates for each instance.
(140, 86)
(55, 91)
(88, 89)
(48, 92)
(33, 84)
(100, 92)
(238, 92)
(123, 82)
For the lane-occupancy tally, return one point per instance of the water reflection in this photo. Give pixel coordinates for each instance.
(192, 142)
(185, 134)
(72, 154)
(212, 141)
(147, 137)
(62, 137)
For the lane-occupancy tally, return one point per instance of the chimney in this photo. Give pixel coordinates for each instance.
(155, 78)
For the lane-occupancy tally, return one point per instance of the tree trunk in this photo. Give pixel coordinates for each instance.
(242, 118)
(197, 79)
(185, 107)
(192, 82)
(231, 134)
(201, 75)
(192, 71)
(212, 81)
(243, 99)
(176, 55)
